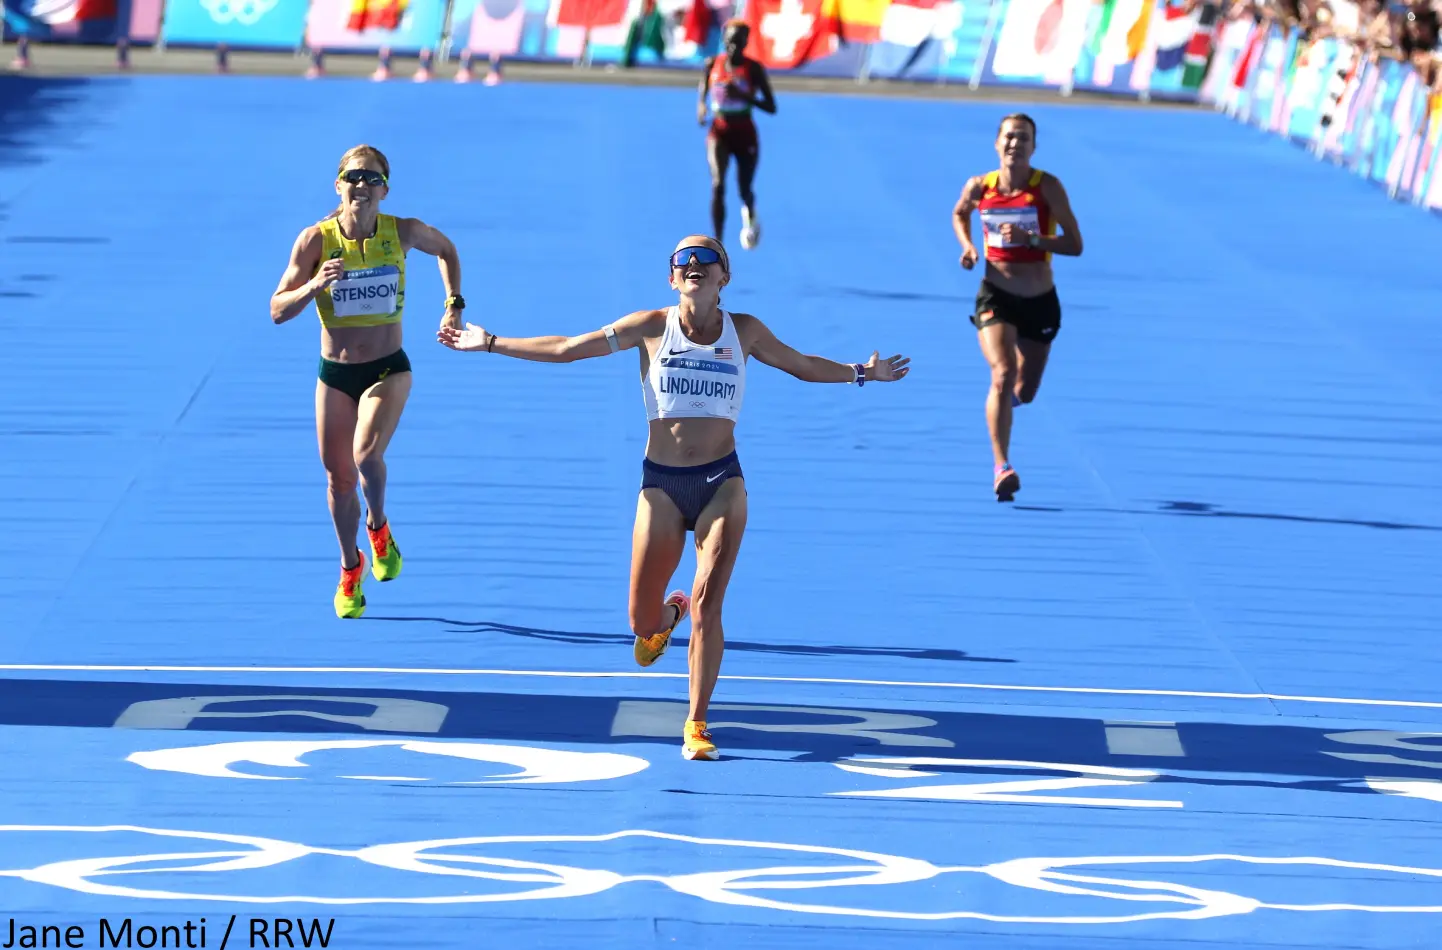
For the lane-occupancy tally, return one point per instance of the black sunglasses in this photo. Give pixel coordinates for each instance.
(357, 175)
(702, 255)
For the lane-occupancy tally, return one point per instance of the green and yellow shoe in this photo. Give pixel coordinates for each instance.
(350, 603)
(386, 556)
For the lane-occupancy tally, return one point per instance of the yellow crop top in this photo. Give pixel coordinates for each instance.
(372, 292)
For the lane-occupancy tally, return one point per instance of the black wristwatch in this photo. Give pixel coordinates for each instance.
(456, 303)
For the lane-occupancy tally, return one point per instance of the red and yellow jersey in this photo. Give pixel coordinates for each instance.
(1026, 208)
(742, 76)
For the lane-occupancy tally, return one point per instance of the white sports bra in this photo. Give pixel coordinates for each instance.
(688, 380)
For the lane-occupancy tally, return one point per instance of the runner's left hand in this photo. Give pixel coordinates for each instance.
(452, 318)
(887, 370)
(470, 339)
(1014, 234)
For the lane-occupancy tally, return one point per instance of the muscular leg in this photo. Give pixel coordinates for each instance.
(656, 544)
(745, 175)
(718, 156)
(335, 422)
(718, 540)
(998, 345)
(377, 417)
(1031, 363)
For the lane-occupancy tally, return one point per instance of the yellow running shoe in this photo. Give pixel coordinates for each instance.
(350, 603)
(649, 649)
(385, 555)
(697, 743)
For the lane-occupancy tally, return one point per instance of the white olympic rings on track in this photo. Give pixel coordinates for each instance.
(537, 881)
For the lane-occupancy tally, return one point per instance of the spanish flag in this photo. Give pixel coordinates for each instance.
(857, 21)
(375, 15)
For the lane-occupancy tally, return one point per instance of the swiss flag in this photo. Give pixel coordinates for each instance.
(788, 33)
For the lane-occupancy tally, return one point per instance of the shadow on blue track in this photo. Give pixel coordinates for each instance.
(9, 291)
(893, 296)
(1200, 509)
(1217, 754)
(744, 646)
(29, 107)
(1193, 508)
(30, 112)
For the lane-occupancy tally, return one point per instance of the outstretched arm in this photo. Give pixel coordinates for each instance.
(625, 333)
(818, 369)
(416, 233)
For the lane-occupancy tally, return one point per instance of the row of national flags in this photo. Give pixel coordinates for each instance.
(1099, 43)
(1108, 44)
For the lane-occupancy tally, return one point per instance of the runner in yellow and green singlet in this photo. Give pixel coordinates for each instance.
(353, 265)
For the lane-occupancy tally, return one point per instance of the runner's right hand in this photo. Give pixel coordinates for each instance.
(330, 272)
(969, 257)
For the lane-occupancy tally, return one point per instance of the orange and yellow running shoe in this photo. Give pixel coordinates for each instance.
(697, 744)
(350, 603)
(649, 649)
(385, 555)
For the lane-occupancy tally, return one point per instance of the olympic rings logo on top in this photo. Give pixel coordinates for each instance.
(243, 12)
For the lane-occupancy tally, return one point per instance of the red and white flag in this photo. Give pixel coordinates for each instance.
(913, 22)
(588, 13)
(788, 33)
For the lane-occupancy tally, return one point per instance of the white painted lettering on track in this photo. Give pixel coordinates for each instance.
(1026, 791)
(536, 765)
(387, 714)
(664, 720)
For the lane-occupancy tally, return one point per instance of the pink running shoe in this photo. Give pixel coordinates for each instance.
(1007, 483)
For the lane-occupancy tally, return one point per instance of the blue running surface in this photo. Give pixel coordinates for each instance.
(1182, 692)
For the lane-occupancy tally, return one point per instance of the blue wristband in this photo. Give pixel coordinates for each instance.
(860, 373)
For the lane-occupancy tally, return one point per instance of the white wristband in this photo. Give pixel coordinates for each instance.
(611, 340)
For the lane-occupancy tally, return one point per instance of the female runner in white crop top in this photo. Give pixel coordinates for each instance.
(693, 376)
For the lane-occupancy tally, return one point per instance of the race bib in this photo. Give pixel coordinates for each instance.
(367, 293)
(993, 218)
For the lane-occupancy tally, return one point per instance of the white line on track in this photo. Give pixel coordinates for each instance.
(821, 680)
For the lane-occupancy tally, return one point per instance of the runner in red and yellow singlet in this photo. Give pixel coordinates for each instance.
(1017, 313)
